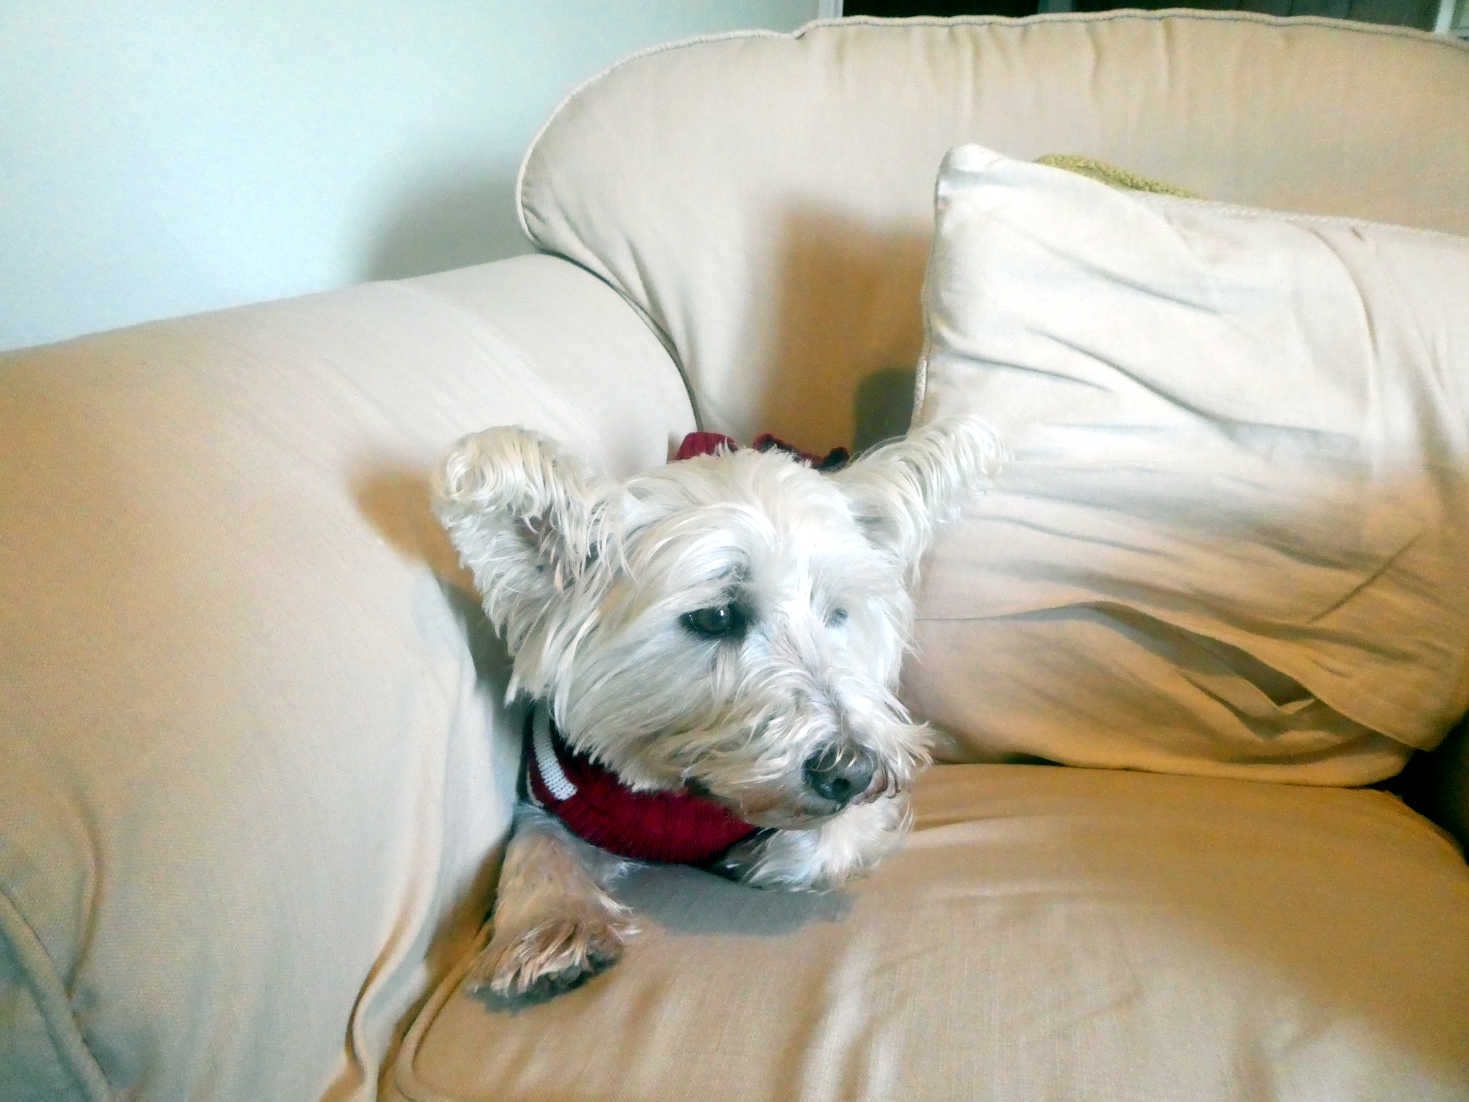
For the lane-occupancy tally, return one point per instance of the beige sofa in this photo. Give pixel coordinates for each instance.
(256, 766)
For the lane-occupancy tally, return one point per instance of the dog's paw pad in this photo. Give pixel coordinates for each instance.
(548, 958)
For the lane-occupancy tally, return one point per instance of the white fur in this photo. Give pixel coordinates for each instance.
(589, 580)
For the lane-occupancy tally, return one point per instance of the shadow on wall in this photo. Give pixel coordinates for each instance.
(453, 224)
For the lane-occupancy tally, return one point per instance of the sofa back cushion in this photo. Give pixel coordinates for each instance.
(1232, 531)
(765, 199)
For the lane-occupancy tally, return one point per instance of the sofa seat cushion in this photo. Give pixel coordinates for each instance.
(1044, 933)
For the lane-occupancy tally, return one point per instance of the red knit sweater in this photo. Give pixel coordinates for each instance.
(677, 827)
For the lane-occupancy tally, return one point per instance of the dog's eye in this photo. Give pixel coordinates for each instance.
(836, 617)
(719, 622)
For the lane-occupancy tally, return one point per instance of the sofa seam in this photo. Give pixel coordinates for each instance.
(49, 997)
(1141, 15)
(404, 1076)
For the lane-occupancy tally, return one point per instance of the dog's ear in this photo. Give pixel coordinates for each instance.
(527, 517)
(901, 491)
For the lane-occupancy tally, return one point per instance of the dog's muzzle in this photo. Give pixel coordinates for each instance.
(840, 774)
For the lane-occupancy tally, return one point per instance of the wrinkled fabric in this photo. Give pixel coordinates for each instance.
(1044, 933)
(1231, 532)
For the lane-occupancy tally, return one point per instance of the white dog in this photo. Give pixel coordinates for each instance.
(715, 643)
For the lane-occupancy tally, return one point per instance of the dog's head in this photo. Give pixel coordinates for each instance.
(731, 623)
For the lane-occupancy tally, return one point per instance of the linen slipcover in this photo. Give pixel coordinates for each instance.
(256, 765)
(766, 199)
(1231, 531)
(1046, 932)
(254, 757)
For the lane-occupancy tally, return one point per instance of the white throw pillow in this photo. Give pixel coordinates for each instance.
(1232, 536)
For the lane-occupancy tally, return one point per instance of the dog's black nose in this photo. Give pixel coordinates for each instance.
(839, 773)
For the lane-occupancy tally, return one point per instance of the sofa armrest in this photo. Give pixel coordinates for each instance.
(256, 763)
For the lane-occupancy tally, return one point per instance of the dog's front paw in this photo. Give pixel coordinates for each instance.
(784, 860)
(822, 858)
(549, 957)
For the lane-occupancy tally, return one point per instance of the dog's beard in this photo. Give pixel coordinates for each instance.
(738, 721)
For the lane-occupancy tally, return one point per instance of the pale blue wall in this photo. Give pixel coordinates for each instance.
(166, 156)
